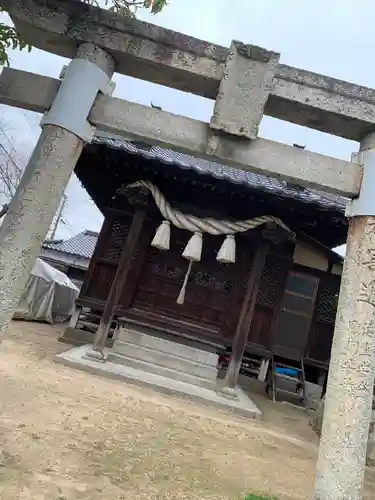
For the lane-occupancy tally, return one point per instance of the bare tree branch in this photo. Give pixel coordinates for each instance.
(11, 168)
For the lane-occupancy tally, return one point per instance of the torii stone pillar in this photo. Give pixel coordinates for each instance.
(348, 406)
(46, 176)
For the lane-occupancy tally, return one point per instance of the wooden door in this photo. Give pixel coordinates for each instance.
(295, 315)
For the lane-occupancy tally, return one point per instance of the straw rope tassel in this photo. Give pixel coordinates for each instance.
(181, 295)
(162, 238)
(193, 249)
(227, 252)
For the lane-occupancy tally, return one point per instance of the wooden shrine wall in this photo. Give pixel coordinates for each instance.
(214, 294)
(102, 269)
(209, 291)
(215, 291)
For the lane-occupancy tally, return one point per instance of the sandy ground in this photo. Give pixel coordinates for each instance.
(67, 435)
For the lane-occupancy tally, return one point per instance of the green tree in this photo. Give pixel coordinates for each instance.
(9, 38)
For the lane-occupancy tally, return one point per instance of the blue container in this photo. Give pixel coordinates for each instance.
(287, 371)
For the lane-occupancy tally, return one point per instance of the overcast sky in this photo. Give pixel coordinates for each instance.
(332, 37)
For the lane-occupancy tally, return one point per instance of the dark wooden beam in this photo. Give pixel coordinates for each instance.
(139, 198)
(244, 254)
(272, 234)
(246, 314)
(136, 267)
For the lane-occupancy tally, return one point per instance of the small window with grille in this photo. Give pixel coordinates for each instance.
(116, 239)
(327, 300)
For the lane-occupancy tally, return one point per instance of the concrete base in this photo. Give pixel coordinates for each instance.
(240, 405)
(314, 394)
(142, 351)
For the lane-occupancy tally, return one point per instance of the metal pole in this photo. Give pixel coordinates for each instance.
(348, 406)
(46, 176)
(56, 220)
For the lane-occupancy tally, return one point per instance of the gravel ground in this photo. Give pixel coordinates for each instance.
(68, 435)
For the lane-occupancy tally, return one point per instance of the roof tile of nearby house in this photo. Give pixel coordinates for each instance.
(80, 245)
(230, 174)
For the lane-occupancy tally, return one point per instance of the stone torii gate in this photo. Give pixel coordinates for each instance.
(246, 82)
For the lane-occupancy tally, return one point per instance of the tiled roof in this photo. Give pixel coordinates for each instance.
(81, 245)
(230, 174)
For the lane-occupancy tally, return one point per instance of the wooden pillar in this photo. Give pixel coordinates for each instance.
(139, 198)
(233, 306)
(75, 317)
(271, 235)
(246, 314)
(142, 248)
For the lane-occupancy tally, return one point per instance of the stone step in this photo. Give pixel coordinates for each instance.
(162, 371)
(167, 346)
(164, 359)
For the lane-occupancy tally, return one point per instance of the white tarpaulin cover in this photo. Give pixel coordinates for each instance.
(49, 295)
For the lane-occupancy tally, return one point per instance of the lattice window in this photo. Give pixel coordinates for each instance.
(175, 272)
(164, 263)
(172, 266)
(116, 239)
(246, 273)
(270, 282)
(213, 280)
(327, 300)
(155, 262)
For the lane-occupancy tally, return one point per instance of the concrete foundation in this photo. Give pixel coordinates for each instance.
(313, 395)
(166, 366)
(165, 358)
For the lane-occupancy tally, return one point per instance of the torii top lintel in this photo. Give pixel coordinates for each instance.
(152, 53)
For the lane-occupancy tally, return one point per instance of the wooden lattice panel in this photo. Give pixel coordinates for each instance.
(159, 263)
(116, 239)
(327, 300)
(247, 272)
(209, 274)
(270, 282)
(209, 288)
(216, 278)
